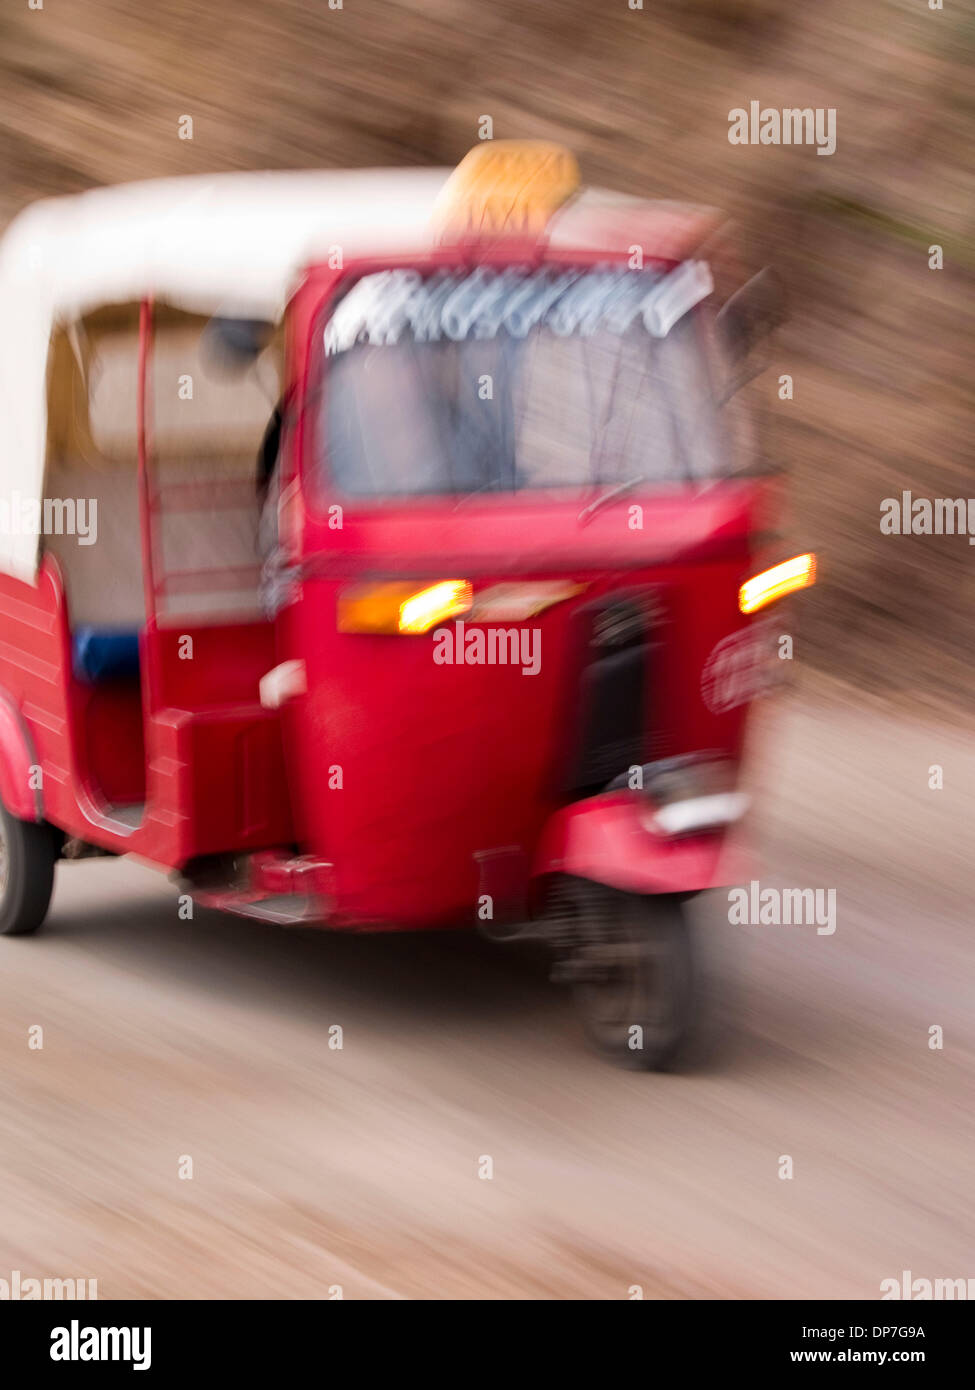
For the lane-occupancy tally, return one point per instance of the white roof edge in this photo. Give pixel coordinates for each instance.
(202, 237)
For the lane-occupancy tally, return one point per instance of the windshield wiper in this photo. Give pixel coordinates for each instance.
(604, 499)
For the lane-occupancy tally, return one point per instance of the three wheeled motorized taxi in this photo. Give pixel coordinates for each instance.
(380, 551)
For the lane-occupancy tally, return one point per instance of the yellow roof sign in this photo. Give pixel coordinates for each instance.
(507, 187)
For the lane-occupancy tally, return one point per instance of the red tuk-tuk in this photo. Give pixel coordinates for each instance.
(377, 553)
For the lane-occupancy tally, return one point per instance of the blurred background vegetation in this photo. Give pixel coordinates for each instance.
(879, 346)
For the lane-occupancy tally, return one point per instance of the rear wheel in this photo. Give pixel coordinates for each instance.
(632, 976)
(27, 855)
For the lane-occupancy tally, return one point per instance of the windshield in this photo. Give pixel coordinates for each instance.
(515, 380)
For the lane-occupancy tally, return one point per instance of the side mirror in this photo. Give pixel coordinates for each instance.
(229, 346)
(748, 319)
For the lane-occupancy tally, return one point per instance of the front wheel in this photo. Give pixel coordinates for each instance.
(27, 855)
(633, 978)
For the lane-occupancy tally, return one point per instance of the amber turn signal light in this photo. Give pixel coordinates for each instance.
(404, 608)
(765, 588)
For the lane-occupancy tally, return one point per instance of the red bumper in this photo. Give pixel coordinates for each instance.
(609, 839)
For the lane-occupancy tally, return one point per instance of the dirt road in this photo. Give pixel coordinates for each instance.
(315, 1167)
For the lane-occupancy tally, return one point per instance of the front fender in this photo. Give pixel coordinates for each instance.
(17, 760)
(608, 840)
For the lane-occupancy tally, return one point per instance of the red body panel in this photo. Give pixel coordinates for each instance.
(209, 764)
(35, 673)
(442, 766)
(20, 792)
(409, 777)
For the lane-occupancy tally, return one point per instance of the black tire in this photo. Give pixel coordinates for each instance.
(27, 855)
(635, 982)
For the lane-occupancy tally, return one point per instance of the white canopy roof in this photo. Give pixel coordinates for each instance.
(201, 243)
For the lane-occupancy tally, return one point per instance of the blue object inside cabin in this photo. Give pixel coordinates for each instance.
(105, 654)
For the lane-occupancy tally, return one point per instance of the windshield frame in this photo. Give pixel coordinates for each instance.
(319, 485)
